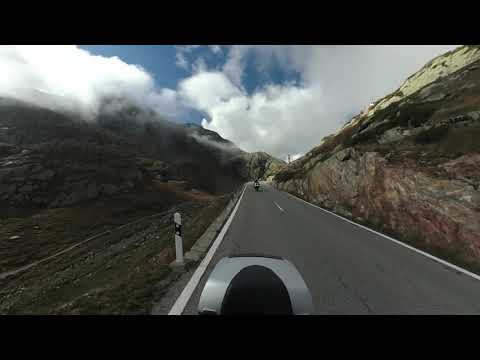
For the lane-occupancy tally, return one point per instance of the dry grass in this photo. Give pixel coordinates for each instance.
(110, 275)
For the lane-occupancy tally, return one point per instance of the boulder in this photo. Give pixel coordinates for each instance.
(110, 189)
(339, 209)
(20, 171)
(26, 188)
(74, 197)
(39, 200)
(4, 174)
(343, 155)
(475, 115)
(44, 175)
(392, 135)
(92, 190)
(6, 149)
(8, 189)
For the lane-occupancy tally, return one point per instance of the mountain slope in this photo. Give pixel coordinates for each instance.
(64, 180)
(410, 166)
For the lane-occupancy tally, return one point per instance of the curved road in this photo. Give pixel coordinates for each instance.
(348, 269)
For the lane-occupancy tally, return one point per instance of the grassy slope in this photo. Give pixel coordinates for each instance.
(108, 275)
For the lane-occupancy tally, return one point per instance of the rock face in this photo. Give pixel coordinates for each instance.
(261, 165)
(409, 166)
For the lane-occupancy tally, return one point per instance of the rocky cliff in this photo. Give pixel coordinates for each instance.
(410, 166)
(260, 165)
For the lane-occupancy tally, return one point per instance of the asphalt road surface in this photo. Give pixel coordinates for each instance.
(349, 270)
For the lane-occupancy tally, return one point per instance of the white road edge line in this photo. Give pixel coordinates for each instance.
(279, 206)
(475, 276)
(184, 298)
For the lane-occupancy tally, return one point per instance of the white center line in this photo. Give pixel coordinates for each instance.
(279, 206)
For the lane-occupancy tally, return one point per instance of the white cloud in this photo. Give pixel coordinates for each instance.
(295, 157)
(206, 141)
(45, 74)
(199, 65)
(181, 60)
(270, 120)
(234, 67)
(186, 61)
(207, 90)
(336, 81)
(216, 49)
(181, 55)
(167, 103)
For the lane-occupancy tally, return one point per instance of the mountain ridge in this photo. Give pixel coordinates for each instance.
(186, 152)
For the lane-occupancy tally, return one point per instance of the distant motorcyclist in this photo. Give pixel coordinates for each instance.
(256, 184)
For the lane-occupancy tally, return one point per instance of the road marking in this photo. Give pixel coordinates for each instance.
(279, 206)
(184, 298)
(475, 276)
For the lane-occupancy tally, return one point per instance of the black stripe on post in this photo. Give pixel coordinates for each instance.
(178, 229)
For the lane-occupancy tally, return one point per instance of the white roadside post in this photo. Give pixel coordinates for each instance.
(178, 238)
